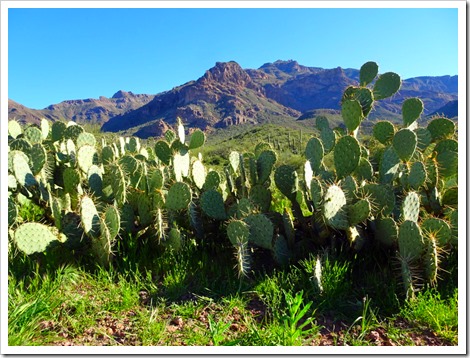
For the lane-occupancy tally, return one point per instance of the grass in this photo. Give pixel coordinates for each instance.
(185, 299)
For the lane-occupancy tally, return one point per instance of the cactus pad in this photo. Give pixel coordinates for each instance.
(384, 131)
(441, 128)
(439, 229)
(212, 204)
(368, 72)
(33, 135)
(238, 232)
(404, 143)
(386, 85)
(410, 240)
(386, 231)
(447, 163)
(410, 207)
(417, 175)
(264, 165)
(14, 128)
(358, 212)
(35, 237)
(411, 110)
(261, 230)
(346, 155)
(334, 208)
(286, 180)
(351, 111)
(163, 151)
(314, 153)
(197, 139)
(328, 139)
(179, 196)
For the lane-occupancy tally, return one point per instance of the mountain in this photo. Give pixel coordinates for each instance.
(450, 110)
(83, 110)
(227, 95)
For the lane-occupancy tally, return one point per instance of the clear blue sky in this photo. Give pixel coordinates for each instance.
(60, 54)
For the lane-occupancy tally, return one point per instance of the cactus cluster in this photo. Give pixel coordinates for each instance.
(401, 195)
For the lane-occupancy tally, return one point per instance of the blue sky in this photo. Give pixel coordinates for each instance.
(60, 54)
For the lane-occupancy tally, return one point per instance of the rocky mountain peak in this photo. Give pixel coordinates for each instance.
(227, 73)
(122, 94)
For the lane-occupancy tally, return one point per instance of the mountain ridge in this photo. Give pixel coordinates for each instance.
(226, 95)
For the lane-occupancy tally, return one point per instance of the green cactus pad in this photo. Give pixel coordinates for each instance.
(450, 197)
(389, 165)
(22, 145)
(346, 156)
(381, 197)
(386, 85)
(364, 170)
(286, 180)
(170, 136)
(144, 210)
(155, 179)
(404, 143)
(439, 229)
(212, 204)
(90, 218)
(351, 111)
(368, 72)
(197, 139)
(361, 94)
(447, 164)
(85, 138)
(38, 158)
(35, 237)
(441, 128)
(95, 180)
(328, 139)
(359, 212)
(316, 193)
(410, 207)
(72, 131)
(411, 109)
(163, 151)
(314, 153)
(238, 232)
(261, 197)
(107, 155)
(288, 226)
(384, 131)
(173, 240)
(33, 135)
(71, 179)
(334, 208)
(264, 165)
(57, 131)
(212, 180)
(410, 240)
(22, 171)
(417, 176)
(386, 231)
(179, 196)
(132, 145)
(112, 219)
(14, 129)
(321, 122)
(261, 230)
(424, 138)
(446, 145)
(431, 260)
(118, 184)
(86, 157)
(260, 148)
(407, 278)
(349, 186)
(280, 251)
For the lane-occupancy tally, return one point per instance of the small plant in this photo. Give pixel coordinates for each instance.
(295, 322)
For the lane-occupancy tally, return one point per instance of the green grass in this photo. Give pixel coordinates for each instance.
(188, 299)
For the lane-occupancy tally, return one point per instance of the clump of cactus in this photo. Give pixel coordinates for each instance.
(402, 195)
